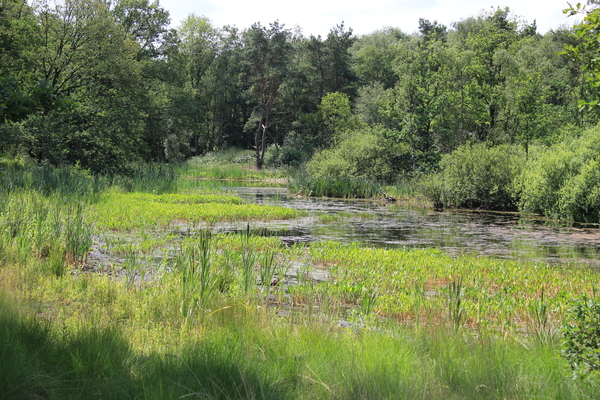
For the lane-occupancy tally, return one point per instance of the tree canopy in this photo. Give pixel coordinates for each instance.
(106, 83)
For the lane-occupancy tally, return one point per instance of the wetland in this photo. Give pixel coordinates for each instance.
(224, 289)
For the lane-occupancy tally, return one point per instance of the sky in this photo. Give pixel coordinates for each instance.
(317, 17)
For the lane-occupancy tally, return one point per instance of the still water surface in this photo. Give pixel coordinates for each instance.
(384, 225)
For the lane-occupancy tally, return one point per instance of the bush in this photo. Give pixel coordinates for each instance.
(358, 155)
(476, 175)
(563, 181)
(286, 156)
(581, 346)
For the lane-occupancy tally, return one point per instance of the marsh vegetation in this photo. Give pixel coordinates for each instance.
(114, 292)
(133, 266)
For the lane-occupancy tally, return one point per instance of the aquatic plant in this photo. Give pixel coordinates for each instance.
(455, 305)
(127, 211)
(195, 267)
(327, 186)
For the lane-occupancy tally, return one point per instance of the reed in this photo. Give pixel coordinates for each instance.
(447, 327)
(69, 182)
(195, 267)
(334, 187)
(149, 177)
(78, 234)
(455, 304)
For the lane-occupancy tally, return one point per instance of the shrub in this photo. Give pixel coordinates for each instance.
(563, 181)
(541, 182)
(286, 156)
(476, 175)
(581, 345)
(357, 155)
(579, 198)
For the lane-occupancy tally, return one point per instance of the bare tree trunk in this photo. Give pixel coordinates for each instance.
(260, 137)
(257, 143)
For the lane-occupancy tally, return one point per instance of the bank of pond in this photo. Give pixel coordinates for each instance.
(121, 292)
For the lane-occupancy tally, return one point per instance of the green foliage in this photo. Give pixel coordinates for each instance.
(194, 265)
(337, 114)
(563, 180)
(358, 154)
(152, 178)
(266, 56)
(103, 85)
(374, 56)
(334, 186)
(585, 50)
(53, 230)
(476, 175)
(16, 105)
(581, 343)
(285, 156)
(66, 181)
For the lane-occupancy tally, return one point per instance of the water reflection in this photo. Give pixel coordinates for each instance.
(379, 225)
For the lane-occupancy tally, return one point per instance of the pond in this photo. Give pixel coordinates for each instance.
(503, 235)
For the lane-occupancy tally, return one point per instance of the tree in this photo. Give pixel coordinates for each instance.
(484, 43)
(144, 21)
(373, 57)
(266, 56)
(21, 91)
(91, 63)
(339, 74)
(415, 103)
(539, 94)
(586, 50)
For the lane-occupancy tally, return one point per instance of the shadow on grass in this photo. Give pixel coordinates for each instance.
(99, 363)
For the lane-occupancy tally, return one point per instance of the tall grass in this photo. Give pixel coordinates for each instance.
(149, 177)
(335, 187)
(240, 355)
(33, 226)
(69, 182)
(198, 280)
(388, 324)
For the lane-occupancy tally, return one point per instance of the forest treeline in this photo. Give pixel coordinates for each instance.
(105, 83)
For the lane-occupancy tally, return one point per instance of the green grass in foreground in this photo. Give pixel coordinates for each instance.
(94, 336)
(241, 353)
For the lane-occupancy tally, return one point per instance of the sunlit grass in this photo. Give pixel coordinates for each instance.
(232, 164)
(89, 335)
(196, 316)
(414, 285)
(126, 211)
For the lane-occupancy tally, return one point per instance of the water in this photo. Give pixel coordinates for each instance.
(502, 235)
